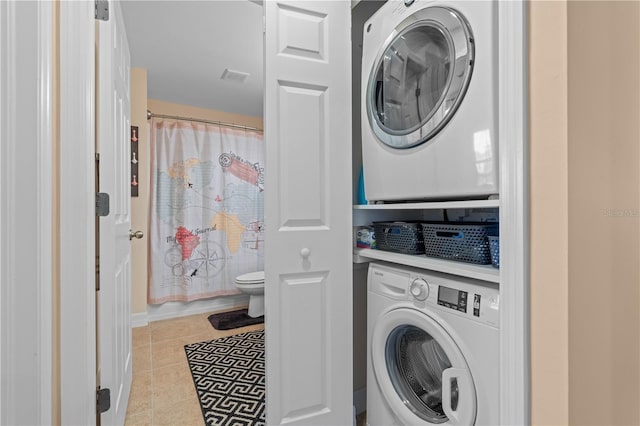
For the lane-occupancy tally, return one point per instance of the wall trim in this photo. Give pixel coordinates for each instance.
(514, 214)
(139, 319)
(171, 310)
(77, 213)
(45, 208)
(25, 212)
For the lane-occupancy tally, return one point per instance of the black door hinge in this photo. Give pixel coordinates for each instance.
(102, 204)
(103, 400)
(102, 10)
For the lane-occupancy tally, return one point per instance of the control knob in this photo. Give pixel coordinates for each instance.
(419, 289)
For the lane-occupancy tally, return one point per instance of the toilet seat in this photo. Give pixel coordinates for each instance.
(251, 278)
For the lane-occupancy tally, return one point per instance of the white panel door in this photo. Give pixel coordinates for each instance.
(308, 212)
(114, 146)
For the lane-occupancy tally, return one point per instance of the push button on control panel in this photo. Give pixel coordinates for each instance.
(462, 302)
(476, 305)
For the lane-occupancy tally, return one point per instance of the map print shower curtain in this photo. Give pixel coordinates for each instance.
(207, 209)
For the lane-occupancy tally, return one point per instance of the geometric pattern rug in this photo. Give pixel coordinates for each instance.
(229, 377)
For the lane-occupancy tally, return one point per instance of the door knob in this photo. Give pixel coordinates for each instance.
(137, 234)
(305, 252)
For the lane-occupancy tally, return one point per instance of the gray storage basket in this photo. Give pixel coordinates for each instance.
(399, 237)
(458, 241)
(494, 248)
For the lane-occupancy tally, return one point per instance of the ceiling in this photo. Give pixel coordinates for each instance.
(185, 46)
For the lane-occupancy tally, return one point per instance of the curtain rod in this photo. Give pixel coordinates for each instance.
(199, 120)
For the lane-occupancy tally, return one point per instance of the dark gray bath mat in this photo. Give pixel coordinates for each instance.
(233, 319)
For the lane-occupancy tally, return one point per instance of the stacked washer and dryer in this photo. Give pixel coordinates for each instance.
(429, 121)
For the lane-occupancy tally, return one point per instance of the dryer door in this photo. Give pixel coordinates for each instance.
(420, 77)
(421, 371)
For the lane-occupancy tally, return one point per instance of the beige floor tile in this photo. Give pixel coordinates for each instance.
(140, 336)
(162, 391)
(198, 321)
(183, 327)
(169, 331)
(172, 384)
(141, 418)
(185, 412)
(194, 325)
(141, 393)
(168, 352)
(141, 359)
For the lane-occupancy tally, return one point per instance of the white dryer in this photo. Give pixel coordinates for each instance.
(429, 100)
(433, 348)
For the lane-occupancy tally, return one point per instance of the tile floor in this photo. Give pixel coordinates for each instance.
(162, 392)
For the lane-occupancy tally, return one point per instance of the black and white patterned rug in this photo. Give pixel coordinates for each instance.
(229, 378)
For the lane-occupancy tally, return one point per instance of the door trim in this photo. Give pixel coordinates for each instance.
(77, 214)
(26, 185)
(514, 218)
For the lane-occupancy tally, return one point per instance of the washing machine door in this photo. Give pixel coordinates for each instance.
(421, 371)
(419, 77)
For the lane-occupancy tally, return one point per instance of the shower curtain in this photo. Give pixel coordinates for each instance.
(207, 209)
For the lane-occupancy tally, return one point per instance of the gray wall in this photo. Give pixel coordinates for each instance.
(360, 14)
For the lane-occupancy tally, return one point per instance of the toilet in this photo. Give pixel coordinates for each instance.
(253, 284)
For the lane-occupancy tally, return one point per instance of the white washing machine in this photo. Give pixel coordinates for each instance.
(432, 348)
(429, 101)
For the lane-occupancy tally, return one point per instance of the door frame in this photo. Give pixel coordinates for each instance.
(26, 176)
(513, 135)
(76, 224)
(77, 213)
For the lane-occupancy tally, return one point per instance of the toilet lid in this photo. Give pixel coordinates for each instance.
(251, 277)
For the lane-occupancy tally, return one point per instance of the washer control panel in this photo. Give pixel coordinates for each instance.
(452, 298)
(461, 296)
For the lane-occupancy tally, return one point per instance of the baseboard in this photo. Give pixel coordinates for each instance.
(360, 400)
(182, 309)
(139, 319)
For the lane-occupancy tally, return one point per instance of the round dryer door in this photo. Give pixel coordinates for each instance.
(421, 371)
(419, 77)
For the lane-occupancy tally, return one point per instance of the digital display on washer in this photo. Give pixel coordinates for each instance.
(452, 298)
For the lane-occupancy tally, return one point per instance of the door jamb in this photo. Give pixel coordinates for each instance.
(76, 227)
(514, 213)
(77, 214)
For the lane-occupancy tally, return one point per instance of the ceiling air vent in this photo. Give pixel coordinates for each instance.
(236, 76)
